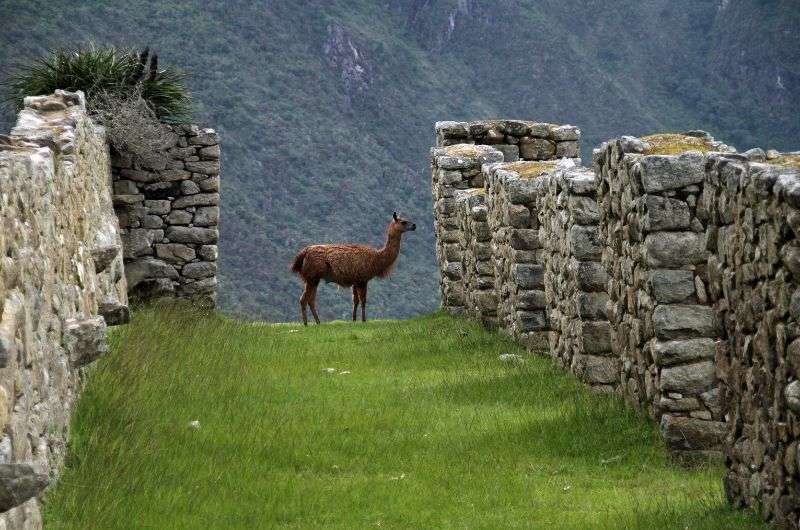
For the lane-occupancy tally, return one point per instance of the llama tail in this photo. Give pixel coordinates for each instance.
(297, 264)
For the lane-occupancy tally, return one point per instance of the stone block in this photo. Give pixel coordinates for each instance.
(84, 340)
(664, 213)
(596, 370)
(678, 321)
(667, 353)
(528, 276)
(671, 285)
(675, 249)
(671, 172)
(688, 378)
(197, 235)
(690, 434)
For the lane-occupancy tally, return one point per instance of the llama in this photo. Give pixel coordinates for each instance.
(349, 266)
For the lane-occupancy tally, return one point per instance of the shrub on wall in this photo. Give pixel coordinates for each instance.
(127, 92)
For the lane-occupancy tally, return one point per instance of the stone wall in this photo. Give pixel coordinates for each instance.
(168, 209)
(516, 139)
(477, 269)
(454, 168)
(667, 275)
(464, 148)
(663, 326)
(574, 279)
(60, 270)
(514, 195)
(753, 213)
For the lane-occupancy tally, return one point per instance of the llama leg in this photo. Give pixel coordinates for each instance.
(355, 301)
(313, 301)
(303, 303)
(364, 303)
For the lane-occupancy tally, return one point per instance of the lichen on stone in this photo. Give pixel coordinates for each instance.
(786, 160)
(675, 143)
(530, 169)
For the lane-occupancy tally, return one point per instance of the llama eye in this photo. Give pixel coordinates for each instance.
(405, 222)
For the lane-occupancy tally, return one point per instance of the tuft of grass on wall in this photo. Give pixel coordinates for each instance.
(388, 424)
(100, 71)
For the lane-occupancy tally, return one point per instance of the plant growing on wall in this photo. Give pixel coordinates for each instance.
(100, 72)
(127, 92)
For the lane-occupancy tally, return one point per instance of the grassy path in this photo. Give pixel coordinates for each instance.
(419, 426)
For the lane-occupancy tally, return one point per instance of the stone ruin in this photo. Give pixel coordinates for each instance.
(666, 274)
(168, 210)
(75, 241)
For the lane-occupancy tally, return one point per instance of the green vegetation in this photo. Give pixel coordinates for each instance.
(101, 73)
(419, 425)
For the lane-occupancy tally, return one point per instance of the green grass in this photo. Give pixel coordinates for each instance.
(428, 430)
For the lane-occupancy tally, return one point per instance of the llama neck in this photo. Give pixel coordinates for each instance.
(388, 254)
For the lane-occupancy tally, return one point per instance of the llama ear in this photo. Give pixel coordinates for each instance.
(394, 216)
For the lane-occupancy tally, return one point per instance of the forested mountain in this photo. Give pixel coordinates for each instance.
(326, 108)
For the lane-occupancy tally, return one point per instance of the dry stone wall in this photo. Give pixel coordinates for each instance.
(477, 269)
(61, 281)
(454, 168)
(463, 149)
(514, 195)
(663, 326)
(516, 139)
(168, 209)
(752, 205)
(575, 279)
(668, 275)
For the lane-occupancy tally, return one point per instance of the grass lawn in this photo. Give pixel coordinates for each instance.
(418, 426)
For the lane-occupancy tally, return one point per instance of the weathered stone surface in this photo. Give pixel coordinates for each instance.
(591, 276)
(204, 167)
(103, 256)
(683, 321)
(209, 184)
(528, 276)
(175, 252)
(510, 152)
(664, 213)
(671, 172)
(199, 199)
(689, 434)
(179, 217)
(688, 378)
(682, 351)
(585, 243)
(157, 207)
(565, 133)
(200, 288)
(536, 149)
(197, 235)
(671, 285)
(20, 482)
(189, 188)
(114, 313)
(84, 339)
(596, 337)
(200, 269)
(148, 268)
(674, 249)
(567, 149)
(206, 216)
(584, 210)
(596, 370)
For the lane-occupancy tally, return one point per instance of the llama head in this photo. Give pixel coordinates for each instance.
(400, 225)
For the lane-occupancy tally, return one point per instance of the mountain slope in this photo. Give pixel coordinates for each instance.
(326, 108)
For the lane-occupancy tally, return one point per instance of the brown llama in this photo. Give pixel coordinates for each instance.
(349, 266)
